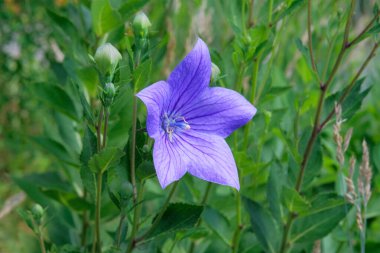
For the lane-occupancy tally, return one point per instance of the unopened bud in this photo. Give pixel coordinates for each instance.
(38, 213)
(215, 72)
(109, 93)
(107, 57)
(141, 25)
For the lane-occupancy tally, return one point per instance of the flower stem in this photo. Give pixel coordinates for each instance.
(310, 42)
(84, 224)
(270, 11)
(316, 128)
(96, 247)
(252, 98)
(239, 226)
(351, 85)
(161, 213)
(359, 36)
(42, 243)
(99, 129)
(119, 229)
(133, 150)
(105, 127)
(203, 202)
(136, 218)
(250, 21)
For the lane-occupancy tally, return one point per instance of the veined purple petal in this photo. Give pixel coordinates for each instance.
(190, 77)
(169, 160)
(218, 111)
(155, 97)
(208, 157)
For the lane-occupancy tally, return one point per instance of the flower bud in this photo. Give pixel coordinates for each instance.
(37, 212)
(215, 72)
(141, 25)
(107, 57)
(109, 93)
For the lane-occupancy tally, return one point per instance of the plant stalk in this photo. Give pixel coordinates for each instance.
(252, 98)
(133, 150)
(136, 218)
(316, 127)
(203, 202)
(161, 213)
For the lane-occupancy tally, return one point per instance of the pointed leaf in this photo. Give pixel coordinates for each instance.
(106, 158)
(177, 217)
(264, 226)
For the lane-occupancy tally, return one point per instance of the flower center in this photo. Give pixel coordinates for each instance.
(173, 124)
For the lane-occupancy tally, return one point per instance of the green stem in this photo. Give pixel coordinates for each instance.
(96, 247)
(239, 225)
(238, 86)
(42, 244)
(358, 37)
(161, 213)
(105, 127)
(351, 85)
(310, 42)
(250, 21)
(203, 202)
(136, 218)
(133, 149)
(270, 13)
(99, 129)
(252, 98)
(316, 128)
(119, 229)
(329, 53)
(84, 224)
(363, 233)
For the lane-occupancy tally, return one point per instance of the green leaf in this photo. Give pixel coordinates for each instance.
(68, 199)
(57, 98)
(131, 7)
(106, 158)
(177, 217)
(104, 18)
(219, 224)
(142, 74)
(291, 8)
(325, 214)
(353, 100)
(27, 218)
(145, 170)
(315, 161)
(305, 53)
(264, 226)
(89, 144)
(294, 201)
(62, 23)
(274, 186)
(120, 118)
(55, 148)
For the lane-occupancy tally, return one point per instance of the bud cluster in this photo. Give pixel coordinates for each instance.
(107, 57)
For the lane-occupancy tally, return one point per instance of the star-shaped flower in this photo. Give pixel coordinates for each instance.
(189, 120)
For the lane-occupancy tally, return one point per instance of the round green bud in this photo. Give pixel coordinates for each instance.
(37, 212)
(215, 72)
(145, 148)
(141, 25)
(107, 57)
(109, 93)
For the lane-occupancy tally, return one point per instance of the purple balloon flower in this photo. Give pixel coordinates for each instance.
(189, 120)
